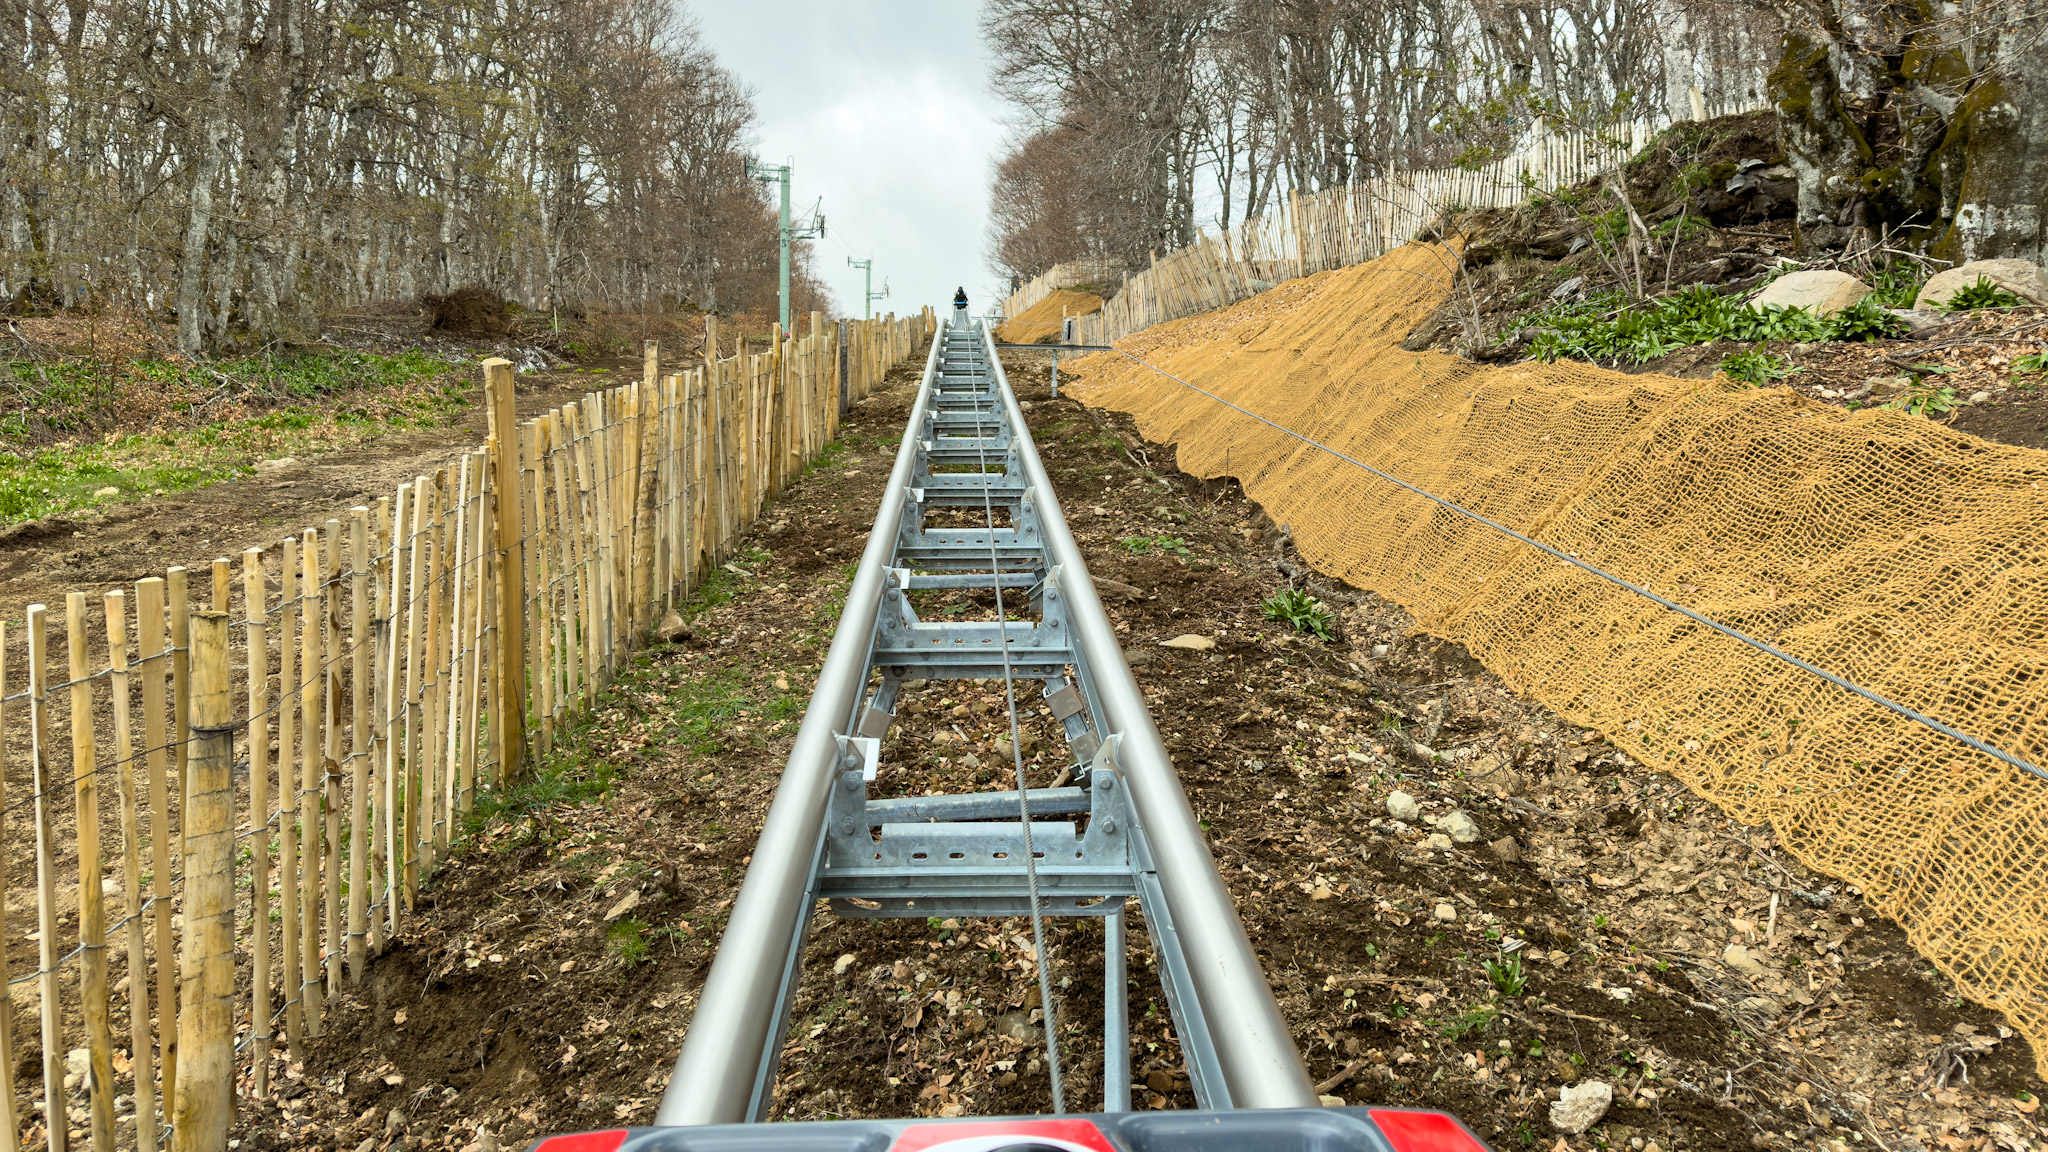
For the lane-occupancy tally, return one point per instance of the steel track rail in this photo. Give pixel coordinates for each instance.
(965, 855)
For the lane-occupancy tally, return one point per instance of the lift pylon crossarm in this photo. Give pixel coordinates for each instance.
(1122, 830)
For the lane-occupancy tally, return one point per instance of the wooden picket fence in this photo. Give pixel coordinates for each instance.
(375, 673)
(1338, 227)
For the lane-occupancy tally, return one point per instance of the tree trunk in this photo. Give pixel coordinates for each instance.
(1940, 139)
(222, 60)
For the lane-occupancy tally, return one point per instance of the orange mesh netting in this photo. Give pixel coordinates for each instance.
(1894, 552)
(1043, 319)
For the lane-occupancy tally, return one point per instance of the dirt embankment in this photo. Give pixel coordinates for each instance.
(1730, 999)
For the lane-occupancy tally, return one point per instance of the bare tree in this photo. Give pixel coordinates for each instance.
(252, 164)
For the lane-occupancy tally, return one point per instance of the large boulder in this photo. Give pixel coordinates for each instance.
(1820, 291)
(2022, 278)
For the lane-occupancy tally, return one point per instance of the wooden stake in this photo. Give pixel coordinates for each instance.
(92, 871)
(409, 765)
(206, 1027)
(256, 613)
(10, 1123)
(436, 672)
(330, 724)
(54, 1109)
(509, 708)
(359, 841)
(288, 818)
(477, 665)
(149, 641)
(312, 1002)
(391, 710)
(540, 653)
(181, 607)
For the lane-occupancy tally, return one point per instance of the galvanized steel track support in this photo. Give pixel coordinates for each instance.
(825, 838)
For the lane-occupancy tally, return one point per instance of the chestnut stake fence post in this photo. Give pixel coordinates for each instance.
(206, 1023)
(510, 707)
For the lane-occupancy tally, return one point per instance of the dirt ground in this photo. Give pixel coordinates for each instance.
(1729, 998)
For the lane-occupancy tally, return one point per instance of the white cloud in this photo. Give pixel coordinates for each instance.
(885, 112)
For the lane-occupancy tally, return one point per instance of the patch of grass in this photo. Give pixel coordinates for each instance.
(1301, 610)
(625, 941)
(377, 393)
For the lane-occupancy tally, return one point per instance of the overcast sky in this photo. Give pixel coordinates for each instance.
(884, 109)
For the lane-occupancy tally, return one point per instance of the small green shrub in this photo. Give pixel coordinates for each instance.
(2031, 362)
(1506, 975)
(1983, 294)
(1303, 611)
(1755, 368)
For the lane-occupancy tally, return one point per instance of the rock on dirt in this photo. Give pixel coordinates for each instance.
(1191, 642)
(672, 628)
(277, 465)
(627, 903)
(1581, 1106)
(2022, 278)
(1821, 291)
(1403, 807)
(1738, 958)
(1446, 913)
(1461, 828)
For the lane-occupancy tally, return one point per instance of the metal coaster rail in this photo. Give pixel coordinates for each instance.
(966, 446)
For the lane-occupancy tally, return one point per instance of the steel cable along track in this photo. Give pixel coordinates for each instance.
(1123, 830)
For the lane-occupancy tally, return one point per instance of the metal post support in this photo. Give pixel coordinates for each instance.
(1116, 1020)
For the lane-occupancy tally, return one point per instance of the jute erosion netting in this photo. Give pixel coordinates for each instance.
(1048, 316)
(1905, 557)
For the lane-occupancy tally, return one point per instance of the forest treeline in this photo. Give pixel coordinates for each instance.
(1141, 120)
(250, 166)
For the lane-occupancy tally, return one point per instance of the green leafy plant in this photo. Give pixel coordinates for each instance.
(1926, 398)
(1983, 294)
(1896, 283)
(1301, 610)
(1141, 545)
(2031, 361)
(1865, 320)
(1459, 1027)
(1756, 368)
(1506, 975)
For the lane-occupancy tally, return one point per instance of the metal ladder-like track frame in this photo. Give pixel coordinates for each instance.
(967, 446)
